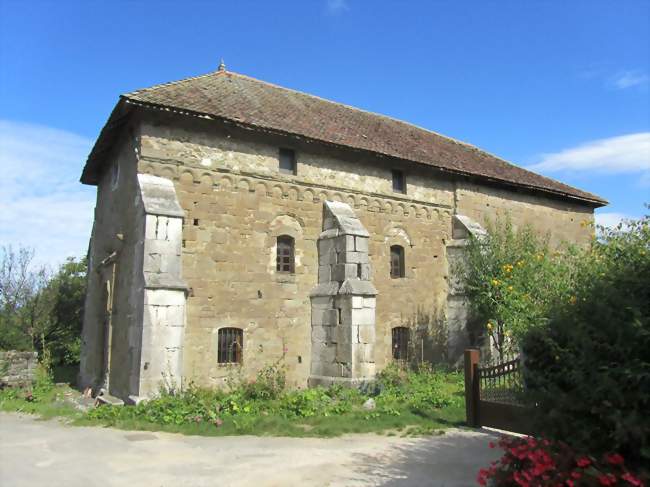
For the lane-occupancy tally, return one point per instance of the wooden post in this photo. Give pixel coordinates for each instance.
(471, 386)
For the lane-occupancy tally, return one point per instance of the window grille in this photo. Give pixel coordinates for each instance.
(288, 161)
(231, 346)
(285, 260)
(396, 261)
(400, 343)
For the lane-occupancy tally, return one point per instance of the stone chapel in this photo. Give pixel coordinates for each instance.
(240, 224)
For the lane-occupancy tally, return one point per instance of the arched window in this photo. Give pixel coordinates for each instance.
(400, 343)
(285, 260)
(230, 346)
(396, 261)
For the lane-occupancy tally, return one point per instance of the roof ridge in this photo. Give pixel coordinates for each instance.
(309, 95)
(376, 114)
(170, 83)
(448, 152)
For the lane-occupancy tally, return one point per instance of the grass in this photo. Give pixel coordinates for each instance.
(407, 404)
(46, 403)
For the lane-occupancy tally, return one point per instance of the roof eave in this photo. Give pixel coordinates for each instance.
(596, 202)
(118, 118)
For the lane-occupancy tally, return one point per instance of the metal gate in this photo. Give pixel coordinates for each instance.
(493, 395)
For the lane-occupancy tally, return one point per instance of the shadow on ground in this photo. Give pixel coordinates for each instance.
(449, 460)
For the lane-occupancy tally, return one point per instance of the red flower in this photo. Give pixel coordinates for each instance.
(607, 479)
(614, 459)
(631, 479)
(576, 475)
(583, 462)
(482, 476)
(491, 444)
(570, 483)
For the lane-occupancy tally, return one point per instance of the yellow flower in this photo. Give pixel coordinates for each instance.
(509, 288)
(520, 263)
(495, 282)
(508, 333)
(489, 326)
(573, 300)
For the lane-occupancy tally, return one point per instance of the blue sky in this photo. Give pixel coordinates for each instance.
(562, 87)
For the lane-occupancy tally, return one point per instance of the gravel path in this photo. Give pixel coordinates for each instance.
(49, 453)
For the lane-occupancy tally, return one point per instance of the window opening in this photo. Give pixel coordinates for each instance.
(287, 161)
(400, 343)
(396, 261)
(285, 259)
(399, 182)
(231, 346)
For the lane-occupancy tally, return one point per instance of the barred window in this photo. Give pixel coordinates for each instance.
(400, 343)
(231, 346)
(285, 260)
(396, 261)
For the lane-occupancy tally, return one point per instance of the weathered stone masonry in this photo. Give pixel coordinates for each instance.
(343, 303)
(189, 212)
(17, 368)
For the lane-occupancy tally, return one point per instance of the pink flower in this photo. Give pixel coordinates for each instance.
(583, 462)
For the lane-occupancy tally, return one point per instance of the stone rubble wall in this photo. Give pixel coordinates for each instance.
(17, 368)
(236, 203)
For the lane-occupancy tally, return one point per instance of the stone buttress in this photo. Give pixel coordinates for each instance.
(343, 302)
(163, 320)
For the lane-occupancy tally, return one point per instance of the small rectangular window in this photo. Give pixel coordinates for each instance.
(400, 343)
(399, 182)
(287, 161)
(285, 260)
(230, 345)
(397, 262)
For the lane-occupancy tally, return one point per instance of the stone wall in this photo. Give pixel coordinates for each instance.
(17, 368)
(236, 204)
(113, 308)
(561, 220)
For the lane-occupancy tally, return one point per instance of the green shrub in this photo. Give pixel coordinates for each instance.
(397, 393)
(588, 371)
(269, 384)
(513, 279)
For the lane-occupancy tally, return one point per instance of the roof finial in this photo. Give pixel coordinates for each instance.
(222, 66)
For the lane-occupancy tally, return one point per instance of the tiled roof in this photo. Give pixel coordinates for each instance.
(238, 98)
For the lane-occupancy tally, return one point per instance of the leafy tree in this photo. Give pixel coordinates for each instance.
(39, 310)
(66, 292)
(24, 310)
(513, 279)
